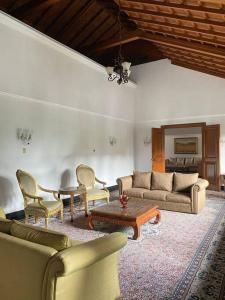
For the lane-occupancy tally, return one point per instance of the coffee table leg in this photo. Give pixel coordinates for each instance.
(72, 206)
(158, 217)
(136, 232)
(90, 222)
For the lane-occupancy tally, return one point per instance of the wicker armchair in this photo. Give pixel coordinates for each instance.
(34, 203)
(86, 180)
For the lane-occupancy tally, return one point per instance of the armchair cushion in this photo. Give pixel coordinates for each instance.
(94, 193)
(5, 225)
(184, 182)
(142, 180)
(41, 236)
(162, 181)
(50, 205)
(2, 214)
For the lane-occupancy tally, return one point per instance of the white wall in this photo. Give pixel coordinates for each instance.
(168, 94)
(169, 145)
(67, 102)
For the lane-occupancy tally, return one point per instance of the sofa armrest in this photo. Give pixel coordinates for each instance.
(200, 185)
(198, 195)
(86, 254)
(124, 183)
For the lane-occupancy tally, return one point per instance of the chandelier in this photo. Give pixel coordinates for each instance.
(121, 69)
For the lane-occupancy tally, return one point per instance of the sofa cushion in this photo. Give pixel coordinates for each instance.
(5, 225)
(183, 182)
(162, 181)
(179, 198)
(135, 192)
(156, 195)
(142, 180)
(42, 236)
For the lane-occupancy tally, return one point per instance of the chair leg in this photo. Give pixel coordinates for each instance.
(107, 199)
(93, 202)
(46, 222)
(36, 219)
(61, 214)
(26, 218)
(86, 207)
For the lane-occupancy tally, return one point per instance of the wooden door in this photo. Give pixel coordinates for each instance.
(211, 156)
(158, 150)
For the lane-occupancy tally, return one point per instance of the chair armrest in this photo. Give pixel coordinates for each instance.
(35, 197)
(99, 181)
(200, 185)
(124, 183)
(86, 254)
(55, 193)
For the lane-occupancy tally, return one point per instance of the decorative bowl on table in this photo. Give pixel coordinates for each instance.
(123, 200)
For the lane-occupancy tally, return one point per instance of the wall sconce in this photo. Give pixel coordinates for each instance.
(112, 140)
(24, 135)
(147, 140)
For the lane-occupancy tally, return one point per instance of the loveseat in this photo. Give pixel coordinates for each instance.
(170, 191)
(39, 264)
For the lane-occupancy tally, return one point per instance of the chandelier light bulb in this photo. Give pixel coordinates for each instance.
(109, 70)
(126, 65)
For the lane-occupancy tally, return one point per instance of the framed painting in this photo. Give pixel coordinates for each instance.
(187, 145)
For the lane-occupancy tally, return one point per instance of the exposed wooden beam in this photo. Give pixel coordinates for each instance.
(28, 7)
(194, 8)
(126, 38)
(198, 69)
(133, 11)
(184, 36)
(195, 29)
(172, 42)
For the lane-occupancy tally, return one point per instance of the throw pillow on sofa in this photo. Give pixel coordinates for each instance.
(184, 182)
(46, 237)
(5, 225)
(162, 181)
(142, 180)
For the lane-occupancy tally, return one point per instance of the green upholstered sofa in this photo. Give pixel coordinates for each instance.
(33, 270)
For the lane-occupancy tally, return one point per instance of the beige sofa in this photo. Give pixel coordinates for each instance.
(39, 264)
(170, 191)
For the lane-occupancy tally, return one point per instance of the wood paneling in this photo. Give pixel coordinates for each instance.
(211, 156)
(179, 29)
(158, 150)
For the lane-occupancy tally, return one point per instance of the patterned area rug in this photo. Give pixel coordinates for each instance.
(182, 258)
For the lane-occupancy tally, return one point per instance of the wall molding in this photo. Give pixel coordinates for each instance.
(50, 42)
(49, 103)
(180, 119)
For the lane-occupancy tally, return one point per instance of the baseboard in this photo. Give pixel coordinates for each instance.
(19, 215)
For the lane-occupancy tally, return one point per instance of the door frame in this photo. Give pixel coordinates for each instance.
(201, 125)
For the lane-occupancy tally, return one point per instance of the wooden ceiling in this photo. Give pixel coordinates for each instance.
(191, 33)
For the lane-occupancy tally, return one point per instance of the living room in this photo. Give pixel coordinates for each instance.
(70, 114)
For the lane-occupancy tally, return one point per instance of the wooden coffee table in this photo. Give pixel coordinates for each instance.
(137, 213)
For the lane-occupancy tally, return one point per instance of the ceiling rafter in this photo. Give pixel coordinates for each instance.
(145, 12)
(194, 29)
(24, 9)
(180, 6)
(185, 37)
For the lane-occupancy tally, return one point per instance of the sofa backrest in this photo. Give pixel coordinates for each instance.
(23, 265)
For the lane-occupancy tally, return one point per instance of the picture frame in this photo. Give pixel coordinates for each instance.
(187, 145)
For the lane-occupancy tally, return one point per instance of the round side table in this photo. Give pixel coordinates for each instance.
(72, 192)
